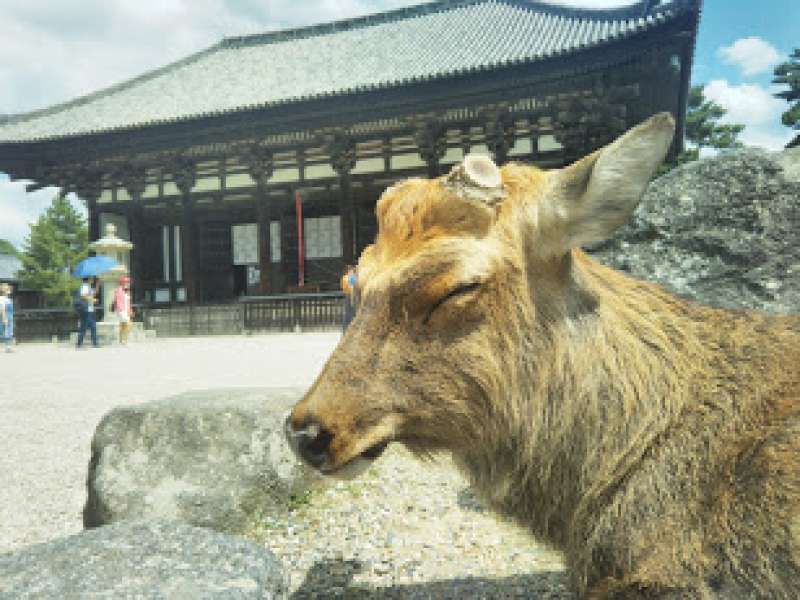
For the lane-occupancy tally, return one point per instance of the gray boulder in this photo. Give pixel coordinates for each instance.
(724, 231)
(139, 559)
(214, 458)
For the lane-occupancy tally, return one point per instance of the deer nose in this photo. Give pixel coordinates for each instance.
(311, 443)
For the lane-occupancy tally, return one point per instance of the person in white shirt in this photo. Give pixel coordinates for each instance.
(86, 311)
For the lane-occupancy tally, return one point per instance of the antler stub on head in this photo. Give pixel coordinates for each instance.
(477, 178)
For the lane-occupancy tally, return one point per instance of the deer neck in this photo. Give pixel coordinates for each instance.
(598, 383)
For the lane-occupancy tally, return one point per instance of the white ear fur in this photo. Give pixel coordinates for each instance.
(598, 194)
(476, 178)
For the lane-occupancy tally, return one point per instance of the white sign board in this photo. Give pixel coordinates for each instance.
(245, 244)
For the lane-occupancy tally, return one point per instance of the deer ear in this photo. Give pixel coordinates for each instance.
(595, 196)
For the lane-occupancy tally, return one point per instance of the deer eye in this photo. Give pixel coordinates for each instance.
(458, 292)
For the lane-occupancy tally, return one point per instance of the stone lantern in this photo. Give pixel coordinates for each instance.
(118, 249)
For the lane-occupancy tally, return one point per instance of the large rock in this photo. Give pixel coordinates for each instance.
(214, 458)
(139, 559)
(724, 231)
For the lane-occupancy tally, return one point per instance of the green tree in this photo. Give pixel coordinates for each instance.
(703, 129)
(7, 247)
(55, 244)
(788, 73)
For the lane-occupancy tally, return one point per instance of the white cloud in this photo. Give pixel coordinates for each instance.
(19, 209)
(754, 107)
(751, 54)
(55, 50)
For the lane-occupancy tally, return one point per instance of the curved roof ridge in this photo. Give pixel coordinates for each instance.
(122, 85)
(639, 9)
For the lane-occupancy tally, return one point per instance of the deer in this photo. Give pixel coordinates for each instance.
(652, 440)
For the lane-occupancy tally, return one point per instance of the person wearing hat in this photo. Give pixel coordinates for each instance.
(121, 305)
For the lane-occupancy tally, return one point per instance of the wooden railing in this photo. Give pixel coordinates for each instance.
(293, 312)
(188, 319)
(284, 312)
(42, 324)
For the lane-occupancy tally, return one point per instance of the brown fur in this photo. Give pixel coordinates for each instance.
(656, 442)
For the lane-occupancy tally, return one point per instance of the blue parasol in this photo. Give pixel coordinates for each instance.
(94, 266)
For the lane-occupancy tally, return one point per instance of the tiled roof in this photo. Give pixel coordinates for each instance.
(424, 42)
(9, 265)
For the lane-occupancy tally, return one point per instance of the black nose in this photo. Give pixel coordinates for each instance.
(311, 443)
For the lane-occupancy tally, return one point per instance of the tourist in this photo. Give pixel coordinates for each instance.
(6, 316)
(122, 308)
(350, 288)
(86, 310)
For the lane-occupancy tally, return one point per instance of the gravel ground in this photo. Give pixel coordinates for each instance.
(408, 529)
(404, 530)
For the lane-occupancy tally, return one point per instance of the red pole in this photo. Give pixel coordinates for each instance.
(301, 253)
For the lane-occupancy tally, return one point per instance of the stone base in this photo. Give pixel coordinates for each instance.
(108, 334)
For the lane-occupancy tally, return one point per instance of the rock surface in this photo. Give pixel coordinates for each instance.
(213, 459)
(723, 231)
(139, 559)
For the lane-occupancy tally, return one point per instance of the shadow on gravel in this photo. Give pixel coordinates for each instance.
(334, 579)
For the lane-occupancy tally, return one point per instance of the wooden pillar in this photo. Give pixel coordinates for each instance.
(432, 145)
(184, 174)
(682, 101)
(133, 177)
(260, 166)
(348, 220)
(342, 150)
(94, 218)
(136, 226)
(188, 249)
(500, 133)
(173, 284)
(264, 243)
(88, 186)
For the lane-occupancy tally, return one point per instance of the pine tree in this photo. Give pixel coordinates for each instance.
(55, 244)
(788, 73)
(703, 128)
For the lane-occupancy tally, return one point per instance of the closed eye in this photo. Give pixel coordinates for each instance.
(461, 290)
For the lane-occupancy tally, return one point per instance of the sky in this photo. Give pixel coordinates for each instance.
(54, 50)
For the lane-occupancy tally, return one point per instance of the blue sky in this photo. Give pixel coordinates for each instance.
(54, 50)
(734, 47)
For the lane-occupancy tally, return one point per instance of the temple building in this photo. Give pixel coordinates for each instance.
(253, 167)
